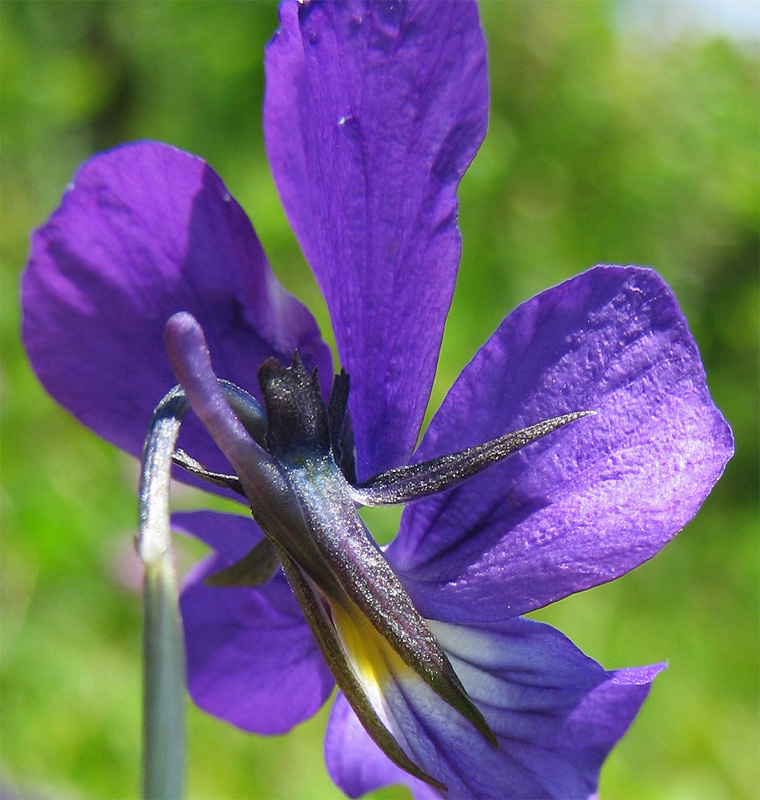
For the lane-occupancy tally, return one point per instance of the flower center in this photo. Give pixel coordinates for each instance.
(293, 461)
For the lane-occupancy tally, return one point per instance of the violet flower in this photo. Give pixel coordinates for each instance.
(373, 112)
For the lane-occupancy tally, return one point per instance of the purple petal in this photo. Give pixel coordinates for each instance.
(591, 501)
(372, 114)
(555, 712)
(356, 763)
(144, 231)
(251, 658)
(233, 536)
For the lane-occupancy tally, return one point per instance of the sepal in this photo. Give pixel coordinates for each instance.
(351, 570)
(297, 419)
(257, 567)
(345, 676)
(413, 482)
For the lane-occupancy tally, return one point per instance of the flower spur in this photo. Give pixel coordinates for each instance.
(372, 114)
(286, 463)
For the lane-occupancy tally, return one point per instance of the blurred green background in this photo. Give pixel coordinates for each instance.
(616, 135)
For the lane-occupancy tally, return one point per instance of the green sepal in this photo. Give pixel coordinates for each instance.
(256, 568)
(356, 565)
(415, 481)
(347, 681)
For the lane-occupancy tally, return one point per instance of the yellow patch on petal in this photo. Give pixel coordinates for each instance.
(373, 659)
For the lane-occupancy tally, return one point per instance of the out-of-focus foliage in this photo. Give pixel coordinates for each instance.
(607, 144)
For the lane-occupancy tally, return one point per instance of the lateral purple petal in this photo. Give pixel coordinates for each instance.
(373, 112)
(592, 500)
(555, 712)
(144, 231)
(251, 658)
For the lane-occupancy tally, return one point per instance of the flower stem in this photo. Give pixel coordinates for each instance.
(163, 647)
(163, 693)
(163, 651)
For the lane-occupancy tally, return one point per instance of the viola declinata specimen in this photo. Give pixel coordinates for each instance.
(576, 443)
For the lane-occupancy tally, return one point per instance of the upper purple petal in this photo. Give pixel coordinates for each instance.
(251, 657)
(373, 111)
(555, 712)
(592, 500)
(144, 231)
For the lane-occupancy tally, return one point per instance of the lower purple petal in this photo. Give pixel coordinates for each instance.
(251, 658)
(555, 712)
(356, 763)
